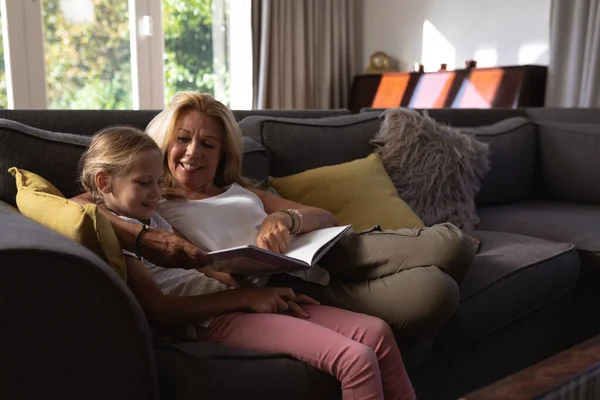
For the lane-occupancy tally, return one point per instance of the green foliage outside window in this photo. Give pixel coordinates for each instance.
(88, 66)
(188, 46)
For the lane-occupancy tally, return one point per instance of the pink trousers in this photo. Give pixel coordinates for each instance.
(357, 349)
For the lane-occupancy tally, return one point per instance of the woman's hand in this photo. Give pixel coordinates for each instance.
(275, 300)
(170, 251)
(274, 232)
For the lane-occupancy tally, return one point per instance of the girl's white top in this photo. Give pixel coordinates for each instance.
(175, 281)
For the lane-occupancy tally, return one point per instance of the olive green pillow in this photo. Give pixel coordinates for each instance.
(359, 193)
(41, 201)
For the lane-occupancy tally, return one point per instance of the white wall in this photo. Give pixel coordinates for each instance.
(493, 32)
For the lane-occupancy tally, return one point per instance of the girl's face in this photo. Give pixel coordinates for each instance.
(135, 194)
(195, 151)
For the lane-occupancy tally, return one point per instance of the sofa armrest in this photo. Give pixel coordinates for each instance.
(71, 329)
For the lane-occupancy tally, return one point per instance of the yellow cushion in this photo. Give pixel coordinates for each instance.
(41, 201)
(359, 193)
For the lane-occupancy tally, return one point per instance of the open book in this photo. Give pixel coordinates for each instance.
(303, 253)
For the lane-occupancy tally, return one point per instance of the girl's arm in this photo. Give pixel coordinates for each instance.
(157, 245)
(312, 217)
(162, 309)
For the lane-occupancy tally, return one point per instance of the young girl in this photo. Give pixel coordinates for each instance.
(122, 170)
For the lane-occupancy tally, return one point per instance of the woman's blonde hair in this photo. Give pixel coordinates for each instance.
(162, 129)
(113, 150)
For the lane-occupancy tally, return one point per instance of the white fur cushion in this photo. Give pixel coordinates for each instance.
(436, 169)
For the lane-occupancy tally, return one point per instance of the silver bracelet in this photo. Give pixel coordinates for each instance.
(299, 219)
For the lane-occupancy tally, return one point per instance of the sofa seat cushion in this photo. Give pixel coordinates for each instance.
(557, 221)
(511, 276)
(189, 371)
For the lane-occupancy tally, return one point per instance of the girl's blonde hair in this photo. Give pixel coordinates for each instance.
(162, 129)
(113, 150)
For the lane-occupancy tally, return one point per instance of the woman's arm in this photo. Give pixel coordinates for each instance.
(312, 217)
(157, 245)
(274, 232)
(162, 309)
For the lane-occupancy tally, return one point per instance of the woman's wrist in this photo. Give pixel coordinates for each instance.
(296, 218)
(286, 218)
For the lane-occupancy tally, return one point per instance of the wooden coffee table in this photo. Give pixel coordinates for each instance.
(572, 374)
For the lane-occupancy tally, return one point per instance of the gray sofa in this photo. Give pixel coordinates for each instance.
(73, 330)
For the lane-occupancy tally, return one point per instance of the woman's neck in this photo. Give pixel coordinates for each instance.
(203, 192)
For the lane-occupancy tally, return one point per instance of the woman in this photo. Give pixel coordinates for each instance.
(406, 277)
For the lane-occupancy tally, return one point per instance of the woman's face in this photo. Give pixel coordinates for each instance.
(195, 151)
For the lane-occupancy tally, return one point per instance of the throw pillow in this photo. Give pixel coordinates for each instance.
(436, 169)
(41, 201)
(359, 193)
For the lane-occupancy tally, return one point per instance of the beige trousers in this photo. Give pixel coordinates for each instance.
(408, 277)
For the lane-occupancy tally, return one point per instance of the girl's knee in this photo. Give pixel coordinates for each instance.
(376, 328)
(361, 358)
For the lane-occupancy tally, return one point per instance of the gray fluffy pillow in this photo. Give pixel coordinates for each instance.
(436, 169)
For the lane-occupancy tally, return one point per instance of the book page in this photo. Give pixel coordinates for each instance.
(305, 246)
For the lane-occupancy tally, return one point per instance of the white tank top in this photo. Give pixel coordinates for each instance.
(229, 219)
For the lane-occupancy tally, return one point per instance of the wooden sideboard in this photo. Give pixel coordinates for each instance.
(498, 87)
(572, 374)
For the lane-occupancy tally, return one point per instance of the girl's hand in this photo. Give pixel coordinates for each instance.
(275, 300)
(232, 280)
(274, 232)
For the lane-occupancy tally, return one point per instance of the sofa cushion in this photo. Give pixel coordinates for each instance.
(504, 283)
(560, 222)
(512, 160)
(563, 114)
(569, 163)
(296, 145)
(40, 201)
(86, 122)
(436, 169)
(255, 161)
(358, 193)
(193, 371)
(55, 156)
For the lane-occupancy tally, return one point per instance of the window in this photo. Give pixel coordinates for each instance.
(194, 51)
(87, 54)
(124, 54)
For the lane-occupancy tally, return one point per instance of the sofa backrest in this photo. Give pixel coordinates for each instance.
(296, 145)
(568, 150)
(86, 122)
(466, 116)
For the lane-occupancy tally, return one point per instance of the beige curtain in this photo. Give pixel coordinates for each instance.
(574, 70)
(302, 53)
